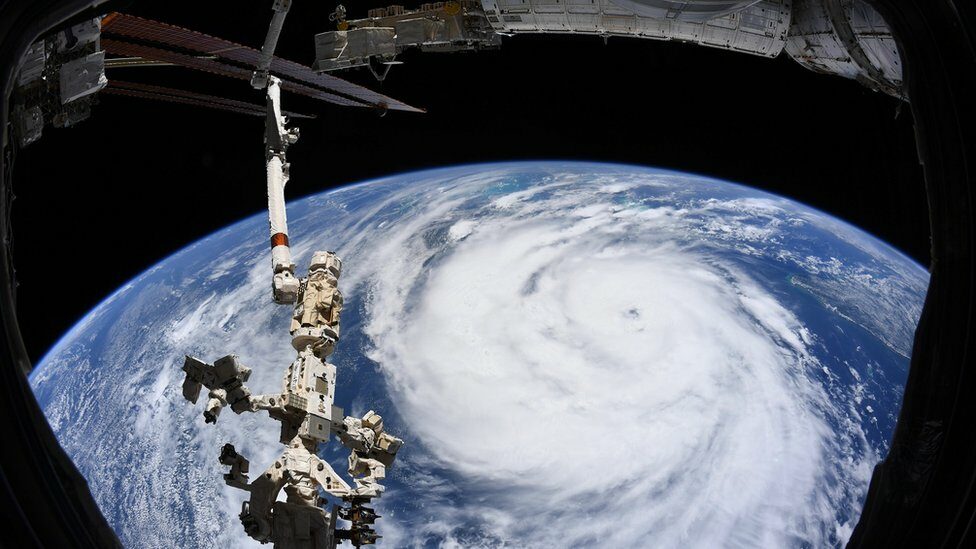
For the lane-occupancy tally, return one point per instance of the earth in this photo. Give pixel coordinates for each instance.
(575, 354)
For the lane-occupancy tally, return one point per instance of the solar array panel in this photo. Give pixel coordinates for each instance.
(117, 47)
(214, 66)
(177, 99)
(241, 57)
(173, 95)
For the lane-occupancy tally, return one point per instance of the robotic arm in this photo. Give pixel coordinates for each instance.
(225, 378)
(305, 406)
(372, 450)
(277, 139)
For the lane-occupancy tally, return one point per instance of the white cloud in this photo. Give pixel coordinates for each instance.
(662, 396)
(574, 366)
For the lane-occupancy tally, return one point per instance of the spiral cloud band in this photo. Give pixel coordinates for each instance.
(575, 354)
(607, 373)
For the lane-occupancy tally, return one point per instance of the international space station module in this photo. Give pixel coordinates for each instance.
(841, 37)
(62, 74)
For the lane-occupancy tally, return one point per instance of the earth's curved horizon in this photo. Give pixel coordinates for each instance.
(573, 351)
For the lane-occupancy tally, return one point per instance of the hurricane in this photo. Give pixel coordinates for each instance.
(575, 355)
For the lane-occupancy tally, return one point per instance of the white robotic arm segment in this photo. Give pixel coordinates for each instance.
(372, 451)
(256, 512)
(367, 436)
(305, 407)
(225, 378)
(216, 402)
(270, 403)
(239, 467)
(355, 436)
(367, 474)
(277, 138)
(329, 480)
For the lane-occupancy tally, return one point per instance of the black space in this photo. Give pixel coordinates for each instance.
(99, 203)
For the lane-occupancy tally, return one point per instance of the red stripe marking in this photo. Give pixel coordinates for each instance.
(279, 239)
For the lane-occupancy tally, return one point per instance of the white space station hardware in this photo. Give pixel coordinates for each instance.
(386, 32)
(277, 138)
(305, 406)
(308, 416)
(841, 37)
(61, 73)
(58, 79)
(57, 83)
